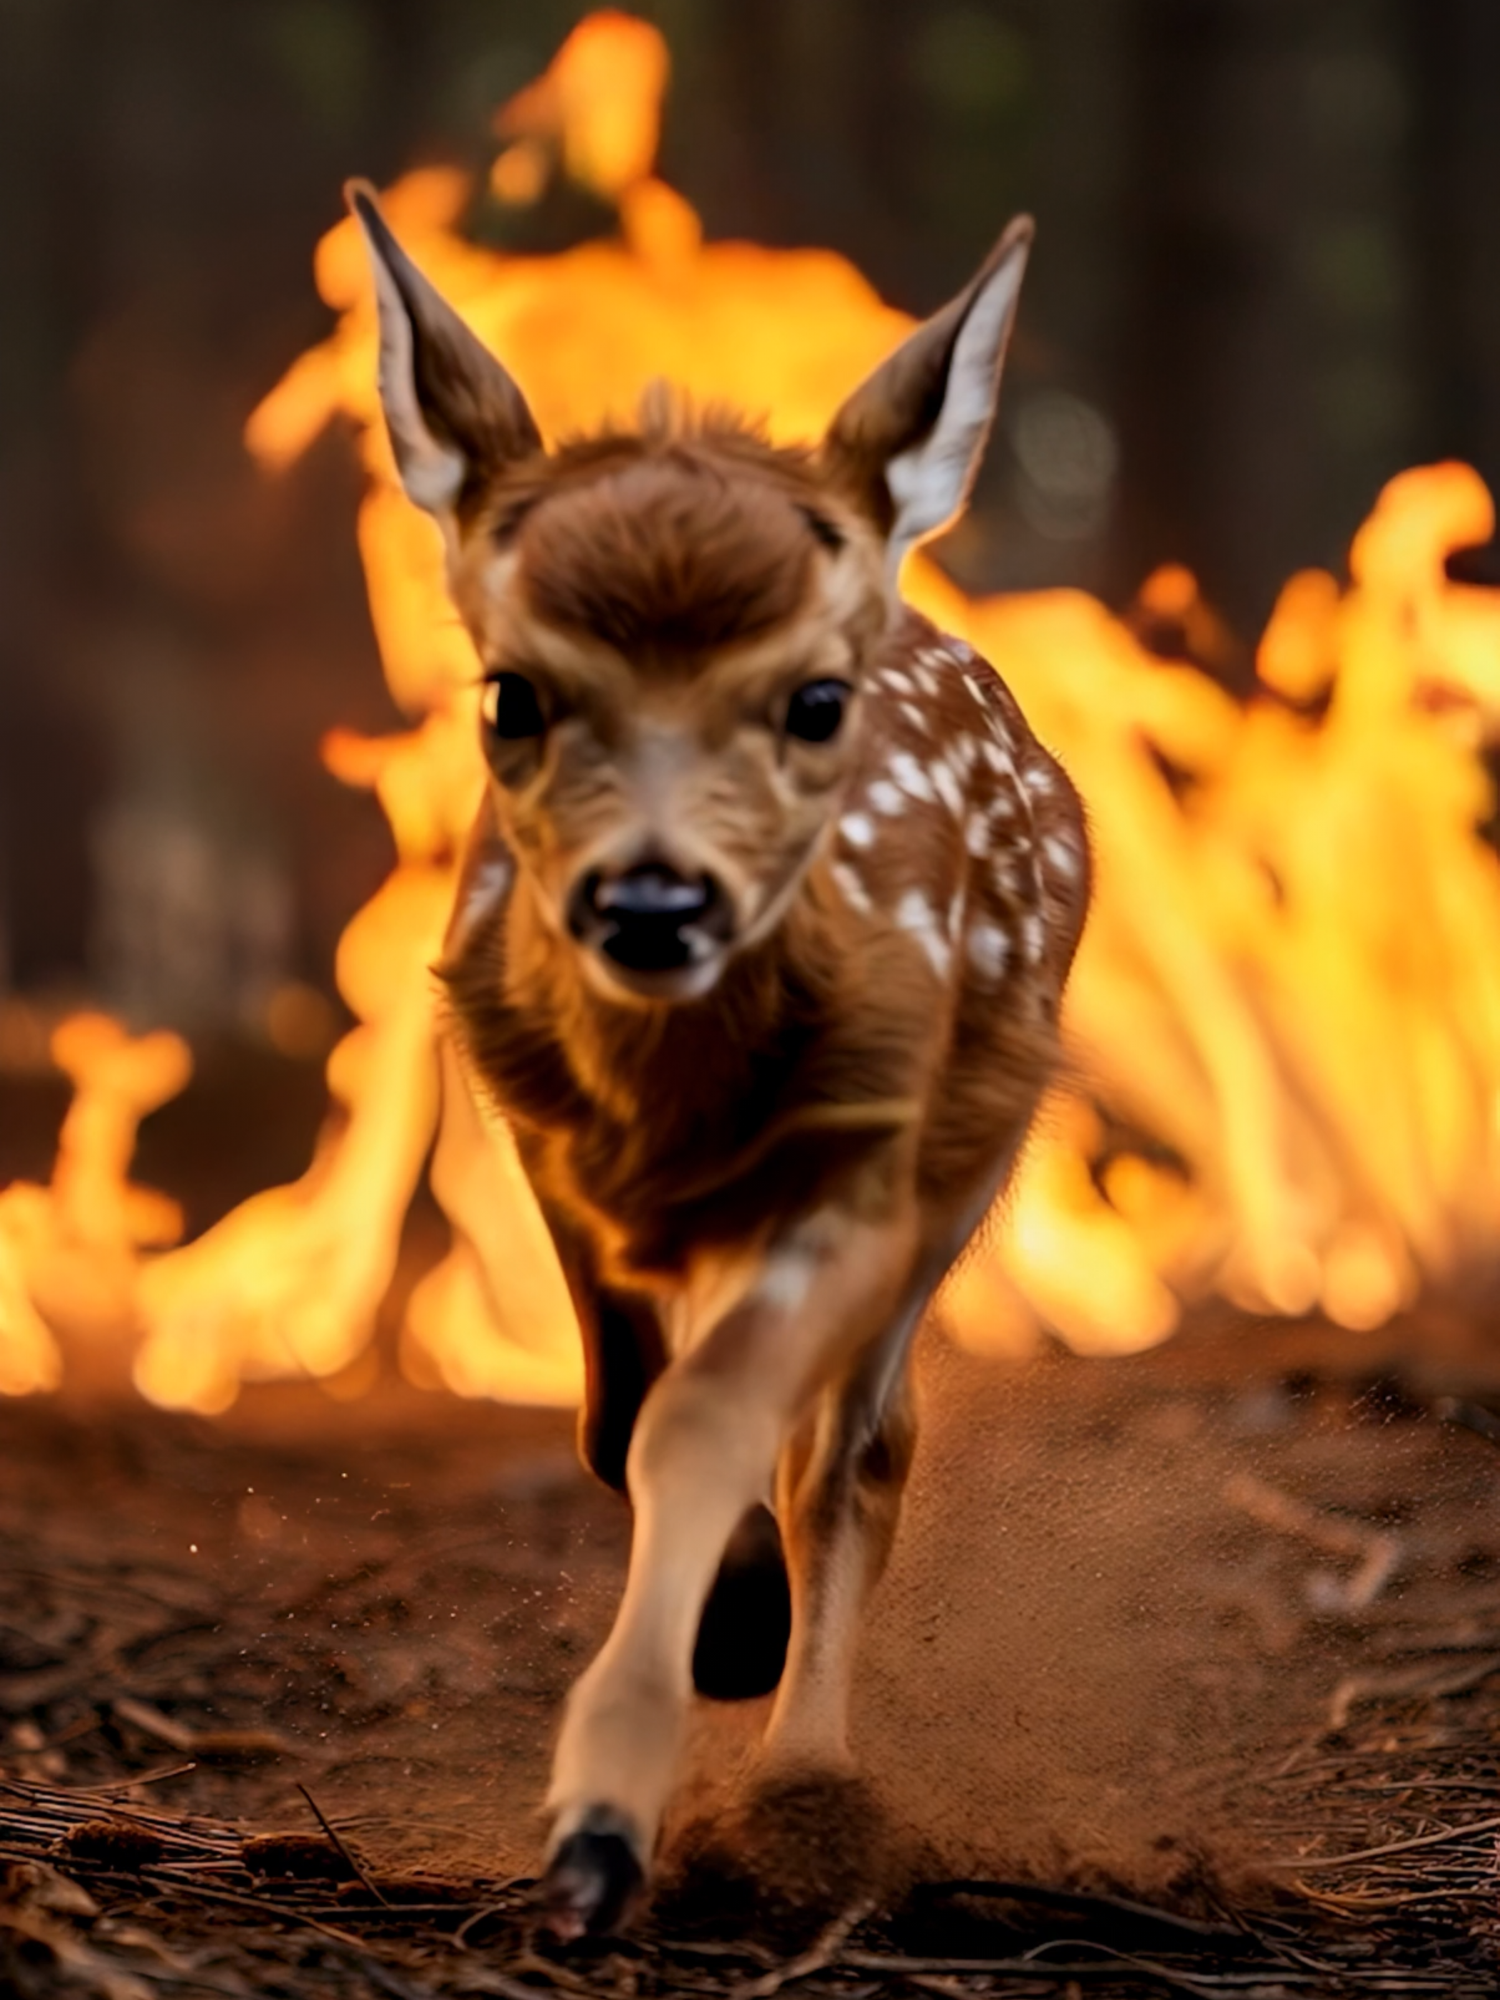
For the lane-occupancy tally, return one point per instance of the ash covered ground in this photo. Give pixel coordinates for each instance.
(1142, 1617)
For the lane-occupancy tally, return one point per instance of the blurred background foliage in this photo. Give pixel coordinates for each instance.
(1268, 277)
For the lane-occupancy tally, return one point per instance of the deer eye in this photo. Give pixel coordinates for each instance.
(511, 708)
(815, 712)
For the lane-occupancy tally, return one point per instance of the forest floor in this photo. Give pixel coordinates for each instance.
(1186, 1678)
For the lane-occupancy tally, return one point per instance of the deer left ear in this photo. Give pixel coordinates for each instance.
(906, 445)
(452, 411)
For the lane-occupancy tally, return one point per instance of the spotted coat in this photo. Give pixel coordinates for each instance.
(961, 831)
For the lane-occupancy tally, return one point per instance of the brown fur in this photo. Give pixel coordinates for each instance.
(830, 1069)
(672, 1129)
(759, 1156)
(668, 555)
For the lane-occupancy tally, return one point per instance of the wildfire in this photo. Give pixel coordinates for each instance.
(1285, 1020)
(69, 1252)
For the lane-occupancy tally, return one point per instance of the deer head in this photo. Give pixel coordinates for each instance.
(675, 623)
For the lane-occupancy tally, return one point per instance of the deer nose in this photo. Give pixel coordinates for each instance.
(649, 918)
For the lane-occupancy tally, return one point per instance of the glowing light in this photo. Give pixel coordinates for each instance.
(1284, 1027)
(70, 1251)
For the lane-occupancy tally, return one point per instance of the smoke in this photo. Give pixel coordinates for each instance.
(1052, 1680)
(1087, 1655)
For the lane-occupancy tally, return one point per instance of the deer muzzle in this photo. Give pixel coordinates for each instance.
(652, 924)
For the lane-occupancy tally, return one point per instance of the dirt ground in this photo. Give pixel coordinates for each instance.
(1215, 1630)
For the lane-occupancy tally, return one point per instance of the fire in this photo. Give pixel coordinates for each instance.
(1284, 1027)
(69, 1252)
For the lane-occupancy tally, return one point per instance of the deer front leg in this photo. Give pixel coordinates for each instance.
(840, 1485)
(742, 1636)
(623, 1351)
(839, 1496)
(704, 1451)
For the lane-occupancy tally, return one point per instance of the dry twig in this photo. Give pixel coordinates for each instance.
(1376, 1552)
(1443, 1837)
(820, 1954)
(346, 1853)
(224, 1745)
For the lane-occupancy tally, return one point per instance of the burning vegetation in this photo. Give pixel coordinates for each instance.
(1284, 1027)
(1220, 1707)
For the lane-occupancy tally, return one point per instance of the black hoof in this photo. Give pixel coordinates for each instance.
(593, 1879)
(747, 1621)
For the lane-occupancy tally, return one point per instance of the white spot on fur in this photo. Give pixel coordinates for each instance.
(1038, 781)
(851, 888)
(1033, 937)
(963, 755)
(914, 715)
(919, 920)
(886, 799)
(1006, 871)
(956, 914)
(912, 779)
(487, 890)
(858, 829)
(1005, 804)
(1062, 855)
(978, 693)
(914, 913)
(989, 950)
(947, 786)
(977, 837)
(898, 682)
(999, 759)
(926, 679)
(786, 1277)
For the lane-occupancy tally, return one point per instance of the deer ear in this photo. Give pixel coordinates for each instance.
(906, 445)
(451, 409)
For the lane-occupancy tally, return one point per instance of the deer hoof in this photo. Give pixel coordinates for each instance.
(593, 1880)
(747, 1621)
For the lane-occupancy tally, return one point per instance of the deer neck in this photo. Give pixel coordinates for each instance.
(661, 1128)
(633, 1084)
(690, 1070)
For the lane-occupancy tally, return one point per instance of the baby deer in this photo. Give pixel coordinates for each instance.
(758, 948)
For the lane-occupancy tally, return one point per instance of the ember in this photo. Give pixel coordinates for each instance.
(1285, 1019)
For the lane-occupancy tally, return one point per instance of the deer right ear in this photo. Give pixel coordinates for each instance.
(906, 445)
(452, 411)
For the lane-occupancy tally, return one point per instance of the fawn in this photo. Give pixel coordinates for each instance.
(758, 947)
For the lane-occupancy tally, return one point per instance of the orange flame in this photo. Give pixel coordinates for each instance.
(1284, 1026)
(69, 1252)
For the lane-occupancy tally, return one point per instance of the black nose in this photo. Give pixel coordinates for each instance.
(642, 918)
